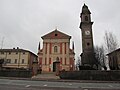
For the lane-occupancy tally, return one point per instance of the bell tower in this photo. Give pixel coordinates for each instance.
(87, 57)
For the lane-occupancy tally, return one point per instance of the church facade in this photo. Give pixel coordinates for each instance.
(56, 49)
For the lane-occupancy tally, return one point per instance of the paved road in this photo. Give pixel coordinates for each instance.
(28, 87)
(6, 84)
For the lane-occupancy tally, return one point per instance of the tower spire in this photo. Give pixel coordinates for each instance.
(85, 9)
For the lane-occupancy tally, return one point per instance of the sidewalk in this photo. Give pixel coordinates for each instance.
(46, 76)
(53, 77)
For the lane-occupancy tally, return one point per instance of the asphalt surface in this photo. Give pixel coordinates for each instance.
(7, 84)
(28, 87)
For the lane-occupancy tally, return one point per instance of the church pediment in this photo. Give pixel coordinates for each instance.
(56, 35)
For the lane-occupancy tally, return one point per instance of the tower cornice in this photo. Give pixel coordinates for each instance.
(85, 23)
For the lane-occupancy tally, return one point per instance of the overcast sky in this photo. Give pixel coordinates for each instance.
(23, 22)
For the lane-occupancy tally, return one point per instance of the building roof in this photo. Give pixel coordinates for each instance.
(117, 50)
(16, 50)
(56, 35)
(85, 9)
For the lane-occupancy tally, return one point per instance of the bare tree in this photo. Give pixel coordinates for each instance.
(111, 43)
(100, 56)
(78, 63)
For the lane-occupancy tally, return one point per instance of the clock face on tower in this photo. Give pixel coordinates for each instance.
(87, 32)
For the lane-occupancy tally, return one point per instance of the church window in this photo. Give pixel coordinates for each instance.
(88, 44)
(55, 49)
(86, 18)
(56, 34)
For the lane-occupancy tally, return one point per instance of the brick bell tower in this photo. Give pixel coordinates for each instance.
(87, 57)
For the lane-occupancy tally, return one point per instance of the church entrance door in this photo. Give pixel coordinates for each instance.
(54, 66)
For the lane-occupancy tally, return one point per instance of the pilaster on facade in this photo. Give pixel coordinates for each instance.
(58, 50)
